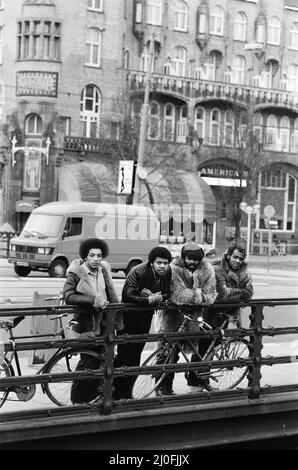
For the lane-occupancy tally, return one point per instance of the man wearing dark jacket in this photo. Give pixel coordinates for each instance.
(147, 285)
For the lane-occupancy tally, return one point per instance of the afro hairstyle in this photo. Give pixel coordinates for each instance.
(89, 243)
(159, 252)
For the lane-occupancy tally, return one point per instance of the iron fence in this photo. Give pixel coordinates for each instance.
(107, 405)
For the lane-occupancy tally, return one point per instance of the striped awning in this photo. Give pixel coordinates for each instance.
(182, 188)
(97, 182)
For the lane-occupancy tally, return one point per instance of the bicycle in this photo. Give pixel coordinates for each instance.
(64, 359)
(221, 378)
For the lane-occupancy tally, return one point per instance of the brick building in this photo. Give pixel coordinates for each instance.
(223, 99)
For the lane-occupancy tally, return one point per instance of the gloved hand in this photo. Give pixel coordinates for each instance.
(99, 302)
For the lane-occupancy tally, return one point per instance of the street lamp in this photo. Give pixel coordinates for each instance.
(249, 210)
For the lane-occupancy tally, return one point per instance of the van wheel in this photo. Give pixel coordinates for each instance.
(58, 268)
(131, 265)
(21, 270)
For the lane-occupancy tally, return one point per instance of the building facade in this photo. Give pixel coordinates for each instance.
(223, 103)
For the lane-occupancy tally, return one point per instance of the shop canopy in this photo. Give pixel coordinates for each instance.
(97, 182)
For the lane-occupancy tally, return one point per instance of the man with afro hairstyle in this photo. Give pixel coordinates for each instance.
(89, 286)
(147, 285)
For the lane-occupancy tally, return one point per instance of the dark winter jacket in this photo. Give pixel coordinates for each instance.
(232, 285)
(142, 277)
(77, 291)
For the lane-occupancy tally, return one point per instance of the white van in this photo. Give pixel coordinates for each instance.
(50, 239)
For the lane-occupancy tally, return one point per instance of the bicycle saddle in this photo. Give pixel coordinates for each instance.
(17, 320)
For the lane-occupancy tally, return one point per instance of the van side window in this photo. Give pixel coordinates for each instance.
(73, 227)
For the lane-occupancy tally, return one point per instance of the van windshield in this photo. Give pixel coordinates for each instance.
(43, 225)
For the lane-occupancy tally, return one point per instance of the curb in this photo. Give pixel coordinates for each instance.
(15, 300)
(274, 273)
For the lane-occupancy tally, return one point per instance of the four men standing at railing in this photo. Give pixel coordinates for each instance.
(188, 280)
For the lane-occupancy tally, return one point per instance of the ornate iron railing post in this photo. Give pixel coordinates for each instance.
(109, 335)
(256, 345)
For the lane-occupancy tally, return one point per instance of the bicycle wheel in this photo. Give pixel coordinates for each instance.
(6, 370)
(226, 378)
(145, 384)
(62, 393)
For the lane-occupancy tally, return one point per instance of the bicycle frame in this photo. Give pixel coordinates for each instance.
(194, 349)
(14, 353)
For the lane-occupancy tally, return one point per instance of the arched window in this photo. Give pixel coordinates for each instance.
(179, 62)
(154, 121)
(292, 78)
(136, 110)
(229, 128)
(145, 60)
(202, 22)
(181, 16)
(217, 21)
(258, 126)
(169, 122)
(199, 123)
(191, 68)
(295, 136)
(267, 75)
(240, 27)
(274, 30)
(32, 159)
(93, 47)
(237, 71)
(33, 126)
(271, 131)
(284, 133)
(90, 111)
(260, 30)
(208, 70)
(242, 130)
(294, 36)
(182, 124)
(154, 12)
(126, 60)
(215, 127)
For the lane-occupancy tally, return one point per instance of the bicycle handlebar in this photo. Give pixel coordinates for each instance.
(198, 320)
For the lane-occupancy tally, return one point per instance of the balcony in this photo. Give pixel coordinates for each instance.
(185, 88)
(98, 145)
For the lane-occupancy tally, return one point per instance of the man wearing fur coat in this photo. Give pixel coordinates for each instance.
(193, 283)
(233, 280)
(89, 286)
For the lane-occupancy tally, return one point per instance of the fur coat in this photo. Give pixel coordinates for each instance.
(232, 285)
(77, 291)
(197, 288)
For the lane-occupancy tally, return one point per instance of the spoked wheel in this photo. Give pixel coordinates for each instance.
(145, 384)
(226, 378)
(5, 371)
(69, 392)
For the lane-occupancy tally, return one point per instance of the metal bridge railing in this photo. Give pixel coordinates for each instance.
(106, 405)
